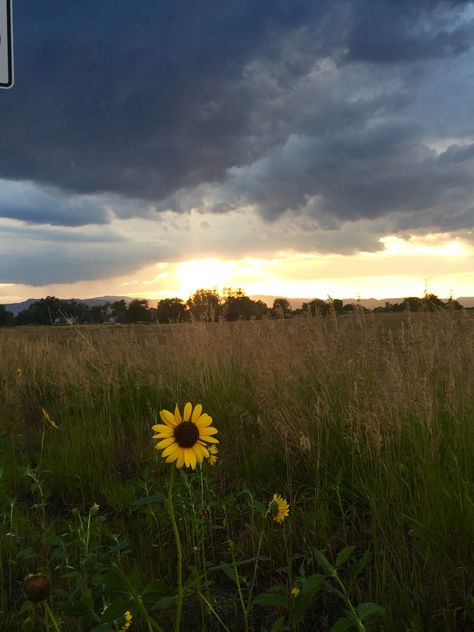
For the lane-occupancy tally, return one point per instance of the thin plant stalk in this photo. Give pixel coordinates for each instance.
(179, 552)
(358, 622)
(52, 618)
(209, 605)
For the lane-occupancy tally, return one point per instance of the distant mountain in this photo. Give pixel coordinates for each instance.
(16, 308)
(467, 301)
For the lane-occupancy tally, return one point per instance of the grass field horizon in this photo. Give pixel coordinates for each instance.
(363, 423)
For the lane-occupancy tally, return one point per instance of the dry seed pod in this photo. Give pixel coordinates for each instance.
(37, 588)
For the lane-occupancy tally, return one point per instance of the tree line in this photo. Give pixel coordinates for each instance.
(203, 305)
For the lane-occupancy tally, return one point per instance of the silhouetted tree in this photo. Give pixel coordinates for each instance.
(6, 317)
(171, 310)
(281, 308)
(205, 305)
(138, 311)
(432, 302)
(337, 305)
(42, 312)
(316, 306)
(71, 311)
(238, 306)
(99, 313)
(119, 311)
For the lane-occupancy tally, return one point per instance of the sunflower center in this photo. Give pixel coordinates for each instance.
(186, 434)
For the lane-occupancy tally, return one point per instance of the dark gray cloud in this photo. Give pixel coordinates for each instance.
(37, 204)
(145, 98)
(31, 261)
(321, 112)
(388, 31)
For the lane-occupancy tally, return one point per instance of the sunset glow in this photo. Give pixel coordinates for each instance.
(402, 268)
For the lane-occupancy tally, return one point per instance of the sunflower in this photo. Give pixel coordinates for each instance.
(212, 454)
(281, 508)
(183, 439)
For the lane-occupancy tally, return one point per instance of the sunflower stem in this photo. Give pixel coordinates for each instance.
(202, 534)
(179, 552)
(52, 618)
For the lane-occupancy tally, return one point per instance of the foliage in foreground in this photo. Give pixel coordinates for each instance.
(366, 431)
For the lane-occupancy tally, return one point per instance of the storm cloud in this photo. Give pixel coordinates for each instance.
(327, 112)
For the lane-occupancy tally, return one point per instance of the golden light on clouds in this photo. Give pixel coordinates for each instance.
(403, 268)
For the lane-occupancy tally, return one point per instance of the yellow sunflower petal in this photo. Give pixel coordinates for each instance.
(208, 439)
(192, 457)
(163, 435)
(197, 412)
(168, 418)
(162, 428)
(187, 411)
(204, 450)
(207, 431)
(164, 443)
(170, 449)
(187, 457)
(172, 457)
(180, 460)
(177, 415)
(204, 420)
(198, 452)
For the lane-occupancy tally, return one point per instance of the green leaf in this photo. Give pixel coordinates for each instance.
(344, 555)
(324, 562)
(135, 578)
(103, 627)
(115, 582)
(342, 625)
(279, 625)
(310, 586)
(82, 609)
(26, 606)
(149, 500)
(166, 602)
(154, 590)
(230, 572)
(359, 566)
(369, 610)
(25, 554)
(53, 540)
(272, 599)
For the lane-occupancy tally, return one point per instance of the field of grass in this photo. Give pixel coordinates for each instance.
(364, 424)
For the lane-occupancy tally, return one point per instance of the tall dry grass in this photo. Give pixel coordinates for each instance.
(365, 422)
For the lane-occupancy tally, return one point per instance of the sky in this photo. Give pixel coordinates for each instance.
(301, 148)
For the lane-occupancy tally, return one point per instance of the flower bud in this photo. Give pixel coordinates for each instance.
(37, 588)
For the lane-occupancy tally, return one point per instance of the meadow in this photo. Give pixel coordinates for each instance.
(363, 423)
